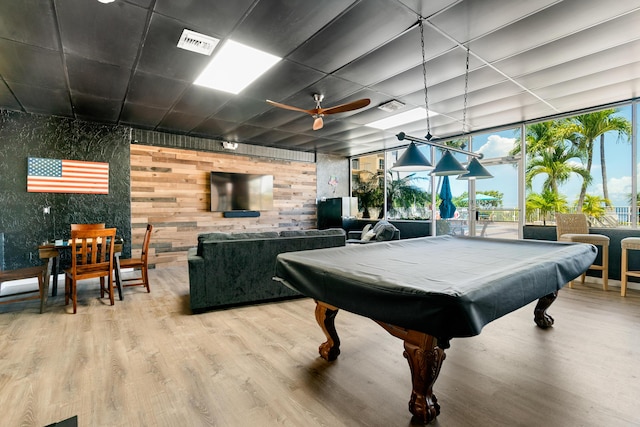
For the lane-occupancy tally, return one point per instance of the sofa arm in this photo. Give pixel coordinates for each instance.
(354, 235)
(196, 275)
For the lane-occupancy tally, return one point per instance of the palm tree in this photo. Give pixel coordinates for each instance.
(539, 136)
(366, 187)
(402, 193)
(595, 206)
(545, 203)
(587, 128)
(555, 162)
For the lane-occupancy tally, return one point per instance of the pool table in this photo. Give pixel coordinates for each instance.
(427, 291)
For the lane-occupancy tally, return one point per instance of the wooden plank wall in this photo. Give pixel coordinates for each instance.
(170, 190)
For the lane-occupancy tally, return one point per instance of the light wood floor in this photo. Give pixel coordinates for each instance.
(148, 362)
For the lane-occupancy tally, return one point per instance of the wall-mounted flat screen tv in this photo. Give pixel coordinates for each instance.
(241, 192)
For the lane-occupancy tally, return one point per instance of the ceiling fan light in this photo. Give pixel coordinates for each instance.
(475, 170)
(318, 123)
(448, 165)
(412, 160)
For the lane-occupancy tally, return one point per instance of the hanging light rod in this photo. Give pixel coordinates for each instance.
(402, 136)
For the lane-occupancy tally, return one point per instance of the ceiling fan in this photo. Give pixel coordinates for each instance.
(319, 112)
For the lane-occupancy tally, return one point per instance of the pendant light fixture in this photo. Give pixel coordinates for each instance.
(475, 170)
(448, 165)
(412, 160)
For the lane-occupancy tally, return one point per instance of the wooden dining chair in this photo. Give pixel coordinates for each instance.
(87, 226)
(41, 273)
(91, 257)
(140, 264)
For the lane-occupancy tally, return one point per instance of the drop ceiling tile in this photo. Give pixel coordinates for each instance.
(177, 122)
(199, 100)
(469, 20)
(91, 108)
(213, 127)
(281, 81)
(580, 67)
(245, 133)
(289, 23)
(155, 91)
(30, 22)
(576, 46)
(351, 36)
(241, 109)
(40, 100)
(562, 20)
(21, 63)
(221, 16)
(399, 55)
(98, 79)
(109, 33)
(141, 115)
(7, 100)
(160, 54)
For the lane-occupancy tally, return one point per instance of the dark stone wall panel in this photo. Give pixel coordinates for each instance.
(21, 213)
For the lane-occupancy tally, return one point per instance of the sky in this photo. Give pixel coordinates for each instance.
(619, 164)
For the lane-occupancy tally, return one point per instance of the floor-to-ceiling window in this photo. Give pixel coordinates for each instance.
(581, 163)
(408, 193)
(367, 184)
(584, 163)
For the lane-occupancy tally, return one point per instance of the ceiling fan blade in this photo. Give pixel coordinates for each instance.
(350, 106)
(318, 123)
(290, 107)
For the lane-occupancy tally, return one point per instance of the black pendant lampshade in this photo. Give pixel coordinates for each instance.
(412, 160)
(448, 165)
(475, 170)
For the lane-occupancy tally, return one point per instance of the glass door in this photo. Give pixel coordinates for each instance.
(493, 203)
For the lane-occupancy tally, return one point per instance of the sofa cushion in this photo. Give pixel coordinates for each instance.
(384, 231)
(216, 236)
(312, 232)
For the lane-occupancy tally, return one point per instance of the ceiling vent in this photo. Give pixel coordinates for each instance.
(196, 42)
(391, 106)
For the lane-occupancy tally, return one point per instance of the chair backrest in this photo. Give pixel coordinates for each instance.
(93, 247)
(571, 224)
(87, 226)
(145, 243)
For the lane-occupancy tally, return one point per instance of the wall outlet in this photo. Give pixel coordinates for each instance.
(46, 210)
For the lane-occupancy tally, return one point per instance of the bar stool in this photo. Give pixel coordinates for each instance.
(633, 244)
(575, 228)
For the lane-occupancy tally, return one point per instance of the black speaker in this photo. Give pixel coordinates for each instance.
(241, 214)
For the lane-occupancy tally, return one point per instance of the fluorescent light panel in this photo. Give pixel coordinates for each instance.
(409, 116)
(235, 67)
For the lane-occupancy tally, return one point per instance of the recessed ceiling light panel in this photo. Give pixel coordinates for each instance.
(235, 67)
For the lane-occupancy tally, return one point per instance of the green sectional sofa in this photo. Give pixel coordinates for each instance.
(229, 269)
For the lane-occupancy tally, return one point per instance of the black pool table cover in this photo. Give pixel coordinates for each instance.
(443, 286)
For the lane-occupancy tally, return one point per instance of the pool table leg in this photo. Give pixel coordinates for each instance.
(540, 316)
(425, 359)
(325, 316)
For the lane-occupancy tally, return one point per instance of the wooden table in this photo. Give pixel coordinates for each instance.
(429, 290)
(53, 265)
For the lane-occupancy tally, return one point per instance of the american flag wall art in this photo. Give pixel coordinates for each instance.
(67, 176)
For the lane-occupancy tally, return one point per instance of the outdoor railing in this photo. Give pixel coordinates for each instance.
(616, 216)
